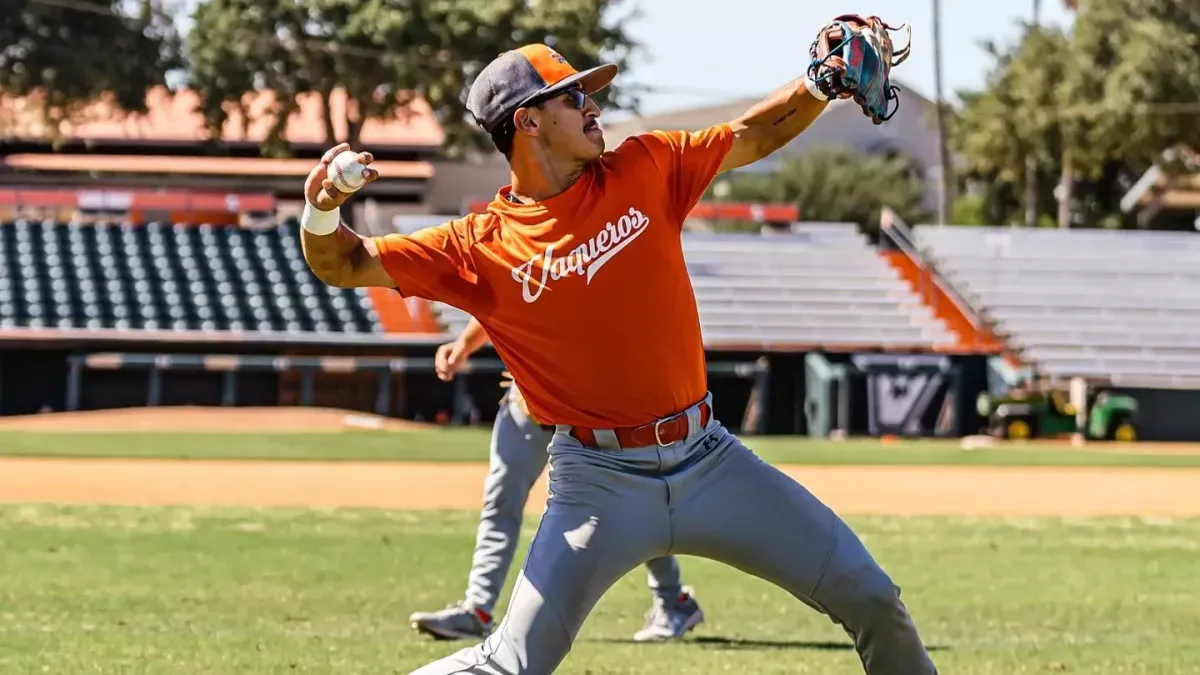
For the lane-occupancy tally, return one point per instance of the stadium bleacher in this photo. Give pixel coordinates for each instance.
(168, 277)
(822, 284)
(1123, 305)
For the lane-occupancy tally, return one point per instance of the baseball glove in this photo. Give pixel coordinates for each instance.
(853, 57)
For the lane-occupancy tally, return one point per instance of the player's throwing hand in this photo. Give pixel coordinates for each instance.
(319, 188)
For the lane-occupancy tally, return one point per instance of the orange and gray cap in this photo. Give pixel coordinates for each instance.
(518, 76)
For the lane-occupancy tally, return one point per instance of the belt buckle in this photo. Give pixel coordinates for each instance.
(658, 434)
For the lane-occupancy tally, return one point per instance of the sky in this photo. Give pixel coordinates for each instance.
(751, 47)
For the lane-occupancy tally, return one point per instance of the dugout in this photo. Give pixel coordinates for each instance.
(755, 391)
(884, 394)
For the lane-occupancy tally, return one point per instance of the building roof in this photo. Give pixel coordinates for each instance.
(174, 119)
(707, 115)
(196, 166)
(1173, 183)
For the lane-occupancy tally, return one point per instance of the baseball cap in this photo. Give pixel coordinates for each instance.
(519, 75)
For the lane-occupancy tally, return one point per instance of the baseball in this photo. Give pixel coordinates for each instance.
(346, 172)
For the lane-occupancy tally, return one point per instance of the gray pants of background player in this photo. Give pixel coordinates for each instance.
(518, 457)
(709, 496)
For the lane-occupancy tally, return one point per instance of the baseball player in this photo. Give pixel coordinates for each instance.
(576, 271)
(518, 457)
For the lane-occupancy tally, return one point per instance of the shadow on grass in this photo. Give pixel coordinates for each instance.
(717, 642)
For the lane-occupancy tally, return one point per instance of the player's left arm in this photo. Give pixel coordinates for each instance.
(852, 57)
(773, 122)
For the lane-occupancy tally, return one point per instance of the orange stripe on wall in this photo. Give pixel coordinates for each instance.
(399, 316)
(922, 283)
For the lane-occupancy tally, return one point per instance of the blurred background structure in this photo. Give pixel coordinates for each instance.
(1018, 257)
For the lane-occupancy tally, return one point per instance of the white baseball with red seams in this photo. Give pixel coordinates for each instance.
(346, 172)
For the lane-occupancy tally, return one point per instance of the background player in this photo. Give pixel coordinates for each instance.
(518, 457)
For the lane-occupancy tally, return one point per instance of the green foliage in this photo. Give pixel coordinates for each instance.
(65, 56)
(1104, 100)
(1016, 115)
(383, 53)
(835, 183)
(969, 209)
(1138, 64)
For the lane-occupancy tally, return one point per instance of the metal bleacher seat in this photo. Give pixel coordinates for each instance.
(1093, 303)
(168, 277)
(820, 284)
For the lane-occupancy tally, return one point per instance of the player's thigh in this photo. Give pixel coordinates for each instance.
(599, 523)
(746, 513)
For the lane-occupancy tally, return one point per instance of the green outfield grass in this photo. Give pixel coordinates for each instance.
(455, 445)
(205, 590)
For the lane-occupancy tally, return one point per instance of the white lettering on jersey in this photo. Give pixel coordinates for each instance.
(585, 259)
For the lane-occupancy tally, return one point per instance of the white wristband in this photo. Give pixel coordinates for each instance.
(814, 91)
(320, 222)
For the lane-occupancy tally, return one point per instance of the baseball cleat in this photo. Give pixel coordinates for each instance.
(671, 620)
(456, 622)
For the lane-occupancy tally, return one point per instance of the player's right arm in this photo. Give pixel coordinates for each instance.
(337, 255)
(432, 263)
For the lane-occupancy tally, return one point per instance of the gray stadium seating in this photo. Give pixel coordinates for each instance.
(1091, 303)
(164, 277)
(823, 285)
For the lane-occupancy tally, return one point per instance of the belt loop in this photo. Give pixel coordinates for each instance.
(693, 419)
(606, 439)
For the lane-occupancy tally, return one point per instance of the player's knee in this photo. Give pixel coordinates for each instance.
(879, 601)
(865, 596)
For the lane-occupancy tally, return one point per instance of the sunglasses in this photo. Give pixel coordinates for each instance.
(575, 96)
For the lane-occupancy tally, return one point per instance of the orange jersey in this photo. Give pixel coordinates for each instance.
(585, 296)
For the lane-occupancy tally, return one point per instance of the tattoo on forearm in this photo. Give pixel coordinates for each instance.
(784, 117)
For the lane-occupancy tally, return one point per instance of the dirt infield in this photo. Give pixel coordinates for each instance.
(859, 490)
(853, 490)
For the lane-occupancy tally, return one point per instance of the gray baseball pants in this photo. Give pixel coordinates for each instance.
(710, 496)
(518, 457)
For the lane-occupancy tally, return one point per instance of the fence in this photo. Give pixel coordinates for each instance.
(307, 367)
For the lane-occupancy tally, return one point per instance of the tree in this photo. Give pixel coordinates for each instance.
(1139, 63)
(838, 184)
(1093, 108)
(59, 55)
(1011, 132)
(384, 54)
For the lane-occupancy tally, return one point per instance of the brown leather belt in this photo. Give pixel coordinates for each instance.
(663, 432)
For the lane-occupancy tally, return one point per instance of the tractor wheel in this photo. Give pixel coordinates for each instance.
(1018, 429)
(1122, 429)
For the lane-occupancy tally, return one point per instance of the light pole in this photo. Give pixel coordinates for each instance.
(943, 210)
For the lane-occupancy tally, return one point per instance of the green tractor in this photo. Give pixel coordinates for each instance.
(1023, 414)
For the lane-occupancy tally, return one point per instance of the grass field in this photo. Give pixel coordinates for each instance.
(457, 445)
(204, 590)
(232, 591)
